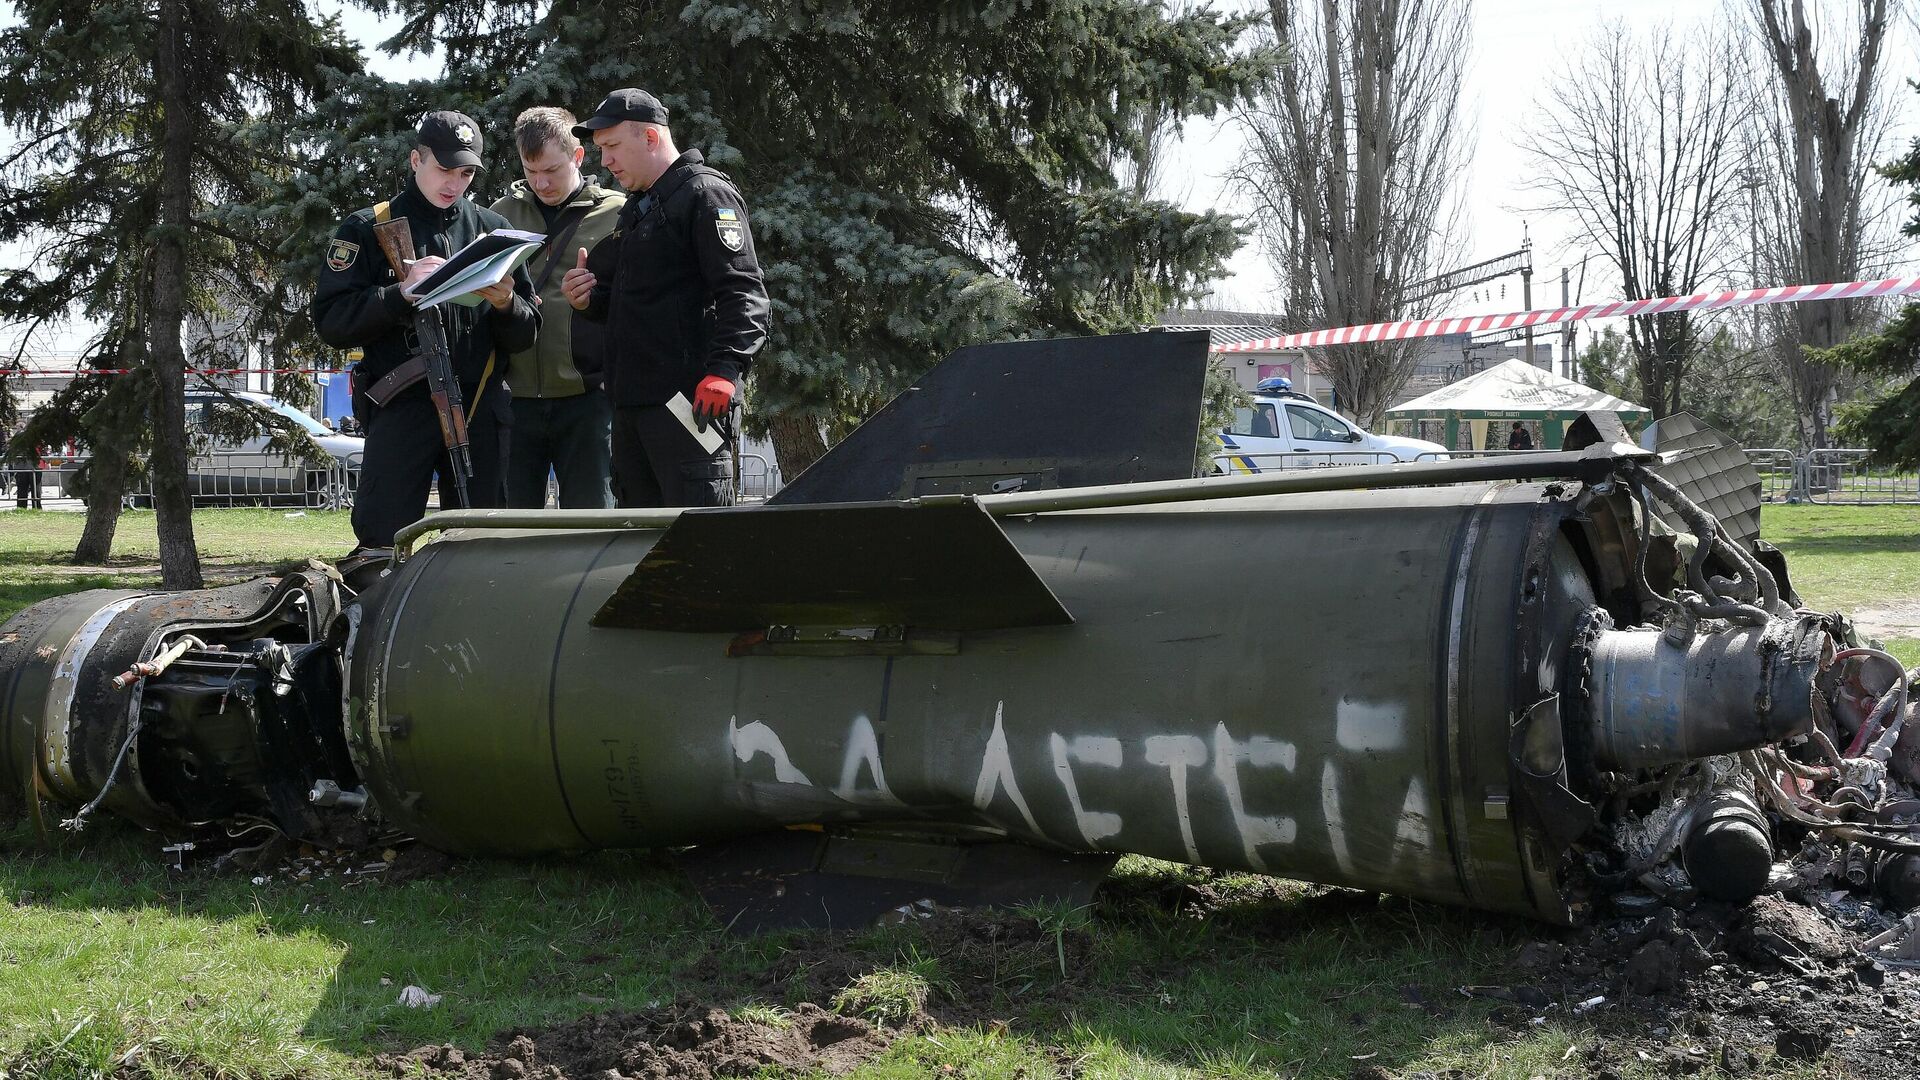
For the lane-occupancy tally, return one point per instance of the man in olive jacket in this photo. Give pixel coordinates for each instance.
(561, 417)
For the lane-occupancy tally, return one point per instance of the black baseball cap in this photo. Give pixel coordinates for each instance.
(621, 105)
(453, 137)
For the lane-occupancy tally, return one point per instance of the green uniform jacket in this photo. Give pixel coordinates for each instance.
(553, 367)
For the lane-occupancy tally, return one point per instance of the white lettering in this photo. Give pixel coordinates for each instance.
(1177, 753)
(996, 772)
(1336, 824)
(756, 739)
(863, 747)
(1259, 751)
(1094, 825)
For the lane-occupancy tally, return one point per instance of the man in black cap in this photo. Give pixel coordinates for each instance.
(360, 301)
(680, 293)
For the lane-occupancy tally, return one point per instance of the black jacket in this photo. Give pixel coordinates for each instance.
(357, 301)
(679, 287)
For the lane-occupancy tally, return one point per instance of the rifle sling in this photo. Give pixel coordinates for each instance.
(410, 371)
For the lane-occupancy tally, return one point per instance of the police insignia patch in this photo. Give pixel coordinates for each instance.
(340, 255)
(464, 134)
(732, 236)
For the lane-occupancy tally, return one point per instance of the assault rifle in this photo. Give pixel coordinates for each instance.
(430, 350)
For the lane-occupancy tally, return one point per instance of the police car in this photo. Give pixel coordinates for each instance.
(1286, 429)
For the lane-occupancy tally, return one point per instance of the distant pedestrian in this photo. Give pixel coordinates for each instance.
(23, 471)
(1520, 438)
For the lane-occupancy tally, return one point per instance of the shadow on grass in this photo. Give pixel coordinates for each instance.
(1848, 544)
(1272, 976)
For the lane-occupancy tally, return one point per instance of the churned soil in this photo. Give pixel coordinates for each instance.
(980, 955)
(681, 1042)
(1721, 991)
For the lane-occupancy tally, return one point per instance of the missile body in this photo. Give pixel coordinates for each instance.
(1389, 689)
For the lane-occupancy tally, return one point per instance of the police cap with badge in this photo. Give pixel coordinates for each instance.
(619, 107)
(454, 139)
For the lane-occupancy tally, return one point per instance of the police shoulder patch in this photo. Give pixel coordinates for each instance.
(732, 236)
(341, 254)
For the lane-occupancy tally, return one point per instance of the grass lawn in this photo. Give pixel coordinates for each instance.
(108, 957)
(1850, 558)
(36, 546)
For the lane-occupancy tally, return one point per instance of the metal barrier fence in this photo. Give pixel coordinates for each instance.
(1825, 477)
(213, 480)
(1244, 463)
(1332, 459)
(1840, 476)
(756, 481)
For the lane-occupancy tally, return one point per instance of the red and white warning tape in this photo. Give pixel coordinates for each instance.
(31, 372)
(1463, 324)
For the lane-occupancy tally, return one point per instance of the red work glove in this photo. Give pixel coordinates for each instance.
(711, 397)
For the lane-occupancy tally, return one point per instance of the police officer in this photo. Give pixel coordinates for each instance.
(680, 293)
(359, 301)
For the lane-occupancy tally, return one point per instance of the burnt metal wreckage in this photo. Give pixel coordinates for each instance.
(980, 650)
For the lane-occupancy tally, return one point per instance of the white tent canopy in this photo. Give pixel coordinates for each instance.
(1515, 390)
(1515, 386)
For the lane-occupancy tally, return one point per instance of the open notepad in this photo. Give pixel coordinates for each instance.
(489, 259)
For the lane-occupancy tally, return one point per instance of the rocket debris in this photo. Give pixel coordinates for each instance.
(1505, 684)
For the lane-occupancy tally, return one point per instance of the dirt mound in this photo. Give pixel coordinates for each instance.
(1720, 989)
(684, 1042)
(845, 995)
(972, 962)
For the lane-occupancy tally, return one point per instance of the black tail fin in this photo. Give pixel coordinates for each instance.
(1025, 415)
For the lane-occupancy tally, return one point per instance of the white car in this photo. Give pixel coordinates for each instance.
(1291, 431)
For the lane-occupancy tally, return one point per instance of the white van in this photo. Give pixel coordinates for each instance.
(1291, 431)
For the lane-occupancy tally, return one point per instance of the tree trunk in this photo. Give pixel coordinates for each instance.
(106, 483)
(179, 557)
(1826, 175)
(796, 443)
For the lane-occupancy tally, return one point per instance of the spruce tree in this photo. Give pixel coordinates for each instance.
(920, 176)
(132, 119)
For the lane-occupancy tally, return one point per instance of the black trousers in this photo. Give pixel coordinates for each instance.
(567, 436)
(656, 462)
(26, 486)
(404, 454)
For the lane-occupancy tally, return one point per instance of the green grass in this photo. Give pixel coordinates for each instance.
(1850, 558)
(109, 960)
(36, 549)
(290, 975)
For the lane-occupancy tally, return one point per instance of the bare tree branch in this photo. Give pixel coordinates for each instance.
(1354, 150)
(1638, 146)
(1822, 215)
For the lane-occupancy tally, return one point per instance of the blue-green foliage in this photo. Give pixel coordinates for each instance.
(921, 176)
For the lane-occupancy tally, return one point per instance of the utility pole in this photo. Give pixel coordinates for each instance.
(1526, 301)
(1566, 330)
